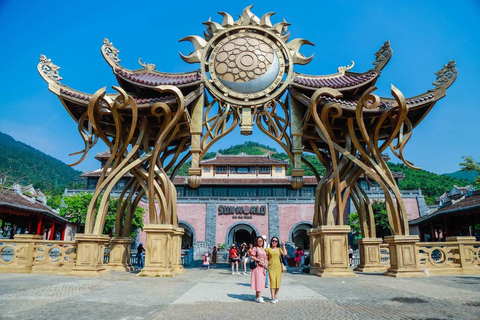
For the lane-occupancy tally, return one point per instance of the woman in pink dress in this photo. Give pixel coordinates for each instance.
(298, 258)
(258, 274)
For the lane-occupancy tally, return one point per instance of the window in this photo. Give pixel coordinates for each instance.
(205, 191)
(220, 192)
(206, 169)
(293, 193)
(278, 192)
(264, 192)
(264, 170)
(242, 192)
(242, 170)
(307, 192)
(180, 191)
(220, 170)
(278, 169)
(191, 192)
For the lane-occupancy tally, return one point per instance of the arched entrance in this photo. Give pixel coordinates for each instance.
(188, 238)
(241, 232)
(298, 234)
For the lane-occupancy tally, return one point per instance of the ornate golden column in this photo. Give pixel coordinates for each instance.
(120, 250)
(370, 257)
(158, 251)
(90, 253)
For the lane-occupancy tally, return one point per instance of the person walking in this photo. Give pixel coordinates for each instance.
(234, 259)
(244, 257)
(258, 274)
(350, 255)
(214, 256)
(299, 253)
(140, 251)
(275, 266)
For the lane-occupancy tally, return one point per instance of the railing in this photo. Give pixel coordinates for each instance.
(187, 256)
(385, 254)
(450, 256)
(33, 255)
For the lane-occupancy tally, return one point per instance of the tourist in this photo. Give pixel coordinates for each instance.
(275, 266)
(206, 262)
(244, 257)
(265, 246)
(140, 251)
(298, 258)
(234, 259)
(350, 255)
(259, 272)
(214, 256)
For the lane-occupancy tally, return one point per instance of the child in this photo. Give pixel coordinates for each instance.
(206, 262)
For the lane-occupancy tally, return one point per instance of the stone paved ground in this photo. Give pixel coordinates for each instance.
(216, 294)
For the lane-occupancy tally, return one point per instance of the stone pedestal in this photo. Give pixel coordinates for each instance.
(403, 257)
(90, 253)
(176, 251)
(120, 248)
(467, 257)
(370, 257)
(22, 260)
(331, 245)
(158, 251)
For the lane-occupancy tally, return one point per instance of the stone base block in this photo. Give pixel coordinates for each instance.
(120, 254)
(370, 257)
(403, 257)
(331, 245)
(158, 251)
(90, 252)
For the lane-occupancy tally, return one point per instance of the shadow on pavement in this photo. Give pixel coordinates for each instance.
(243, 296)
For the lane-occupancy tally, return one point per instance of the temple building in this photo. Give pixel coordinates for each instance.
(243, 196)
(24, 210)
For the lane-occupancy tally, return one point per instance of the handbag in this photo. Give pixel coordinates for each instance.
(282, 263)
(252, 264)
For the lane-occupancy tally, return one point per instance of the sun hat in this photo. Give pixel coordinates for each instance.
(206, 254)
(264, 237)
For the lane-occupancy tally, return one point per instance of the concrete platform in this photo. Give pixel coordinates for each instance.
(217, 294)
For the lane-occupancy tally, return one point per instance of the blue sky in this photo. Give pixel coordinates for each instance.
(424, 36)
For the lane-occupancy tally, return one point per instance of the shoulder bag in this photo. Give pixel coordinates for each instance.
(253, 264)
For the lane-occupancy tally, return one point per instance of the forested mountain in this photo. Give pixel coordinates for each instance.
(20, 163)
(469, 176)
(433, 185)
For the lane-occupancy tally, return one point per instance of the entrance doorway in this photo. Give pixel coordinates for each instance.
(241, 233)
(299, 235)
(188, 238)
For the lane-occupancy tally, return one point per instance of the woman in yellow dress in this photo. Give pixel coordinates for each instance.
(275, 267)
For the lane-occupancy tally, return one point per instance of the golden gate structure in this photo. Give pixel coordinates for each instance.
(246, 77)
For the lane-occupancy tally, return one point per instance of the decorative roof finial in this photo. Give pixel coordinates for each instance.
(110, 53)
(48, 70)
(382, 56)
(343, 69)
(446, 76)
(148, 66)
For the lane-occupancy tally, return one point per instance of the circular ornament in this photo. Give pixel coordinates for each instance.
(246, 66)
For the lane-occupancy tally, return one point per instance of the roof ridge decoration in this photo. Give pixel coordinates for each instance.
(382, 56)
(148, 66)
(48, 70)
(110, 53)
(341, 70)
(446, 76)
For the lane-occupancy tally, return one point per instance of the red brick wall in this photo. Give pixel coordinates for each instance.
(195, 214)
(290, 214)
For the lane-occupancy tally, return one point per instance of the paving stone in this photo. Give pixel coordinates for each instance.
(217, 294)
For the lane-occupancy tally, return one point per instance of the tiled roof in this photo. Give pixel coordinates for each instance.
(243, 160)
(244, 181)
(468, 202)
(9, 198)
(335, 81)
(156, 79)
(139, 101)
(383, 104)
(98, 173)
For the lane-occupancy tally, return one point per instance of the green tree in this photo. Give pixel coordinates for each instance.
(469, 165)
(76, 206)
(354, 222)
(382, 226)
